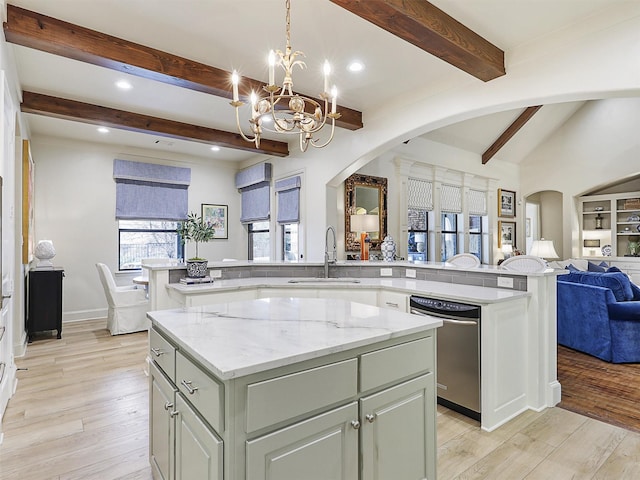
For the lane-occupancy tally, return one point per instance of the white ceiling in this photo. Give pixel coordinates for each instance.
(237, 34)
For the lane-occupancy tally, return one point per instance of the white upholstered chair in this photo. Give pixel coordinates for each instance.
(128, 305)
(464, 260)
(524, 263)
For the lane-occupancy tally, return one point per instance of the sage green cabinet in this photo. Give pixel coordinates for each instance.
(161, 424)
(198, 449)
(398, 433)
(323, 447)
(181, 445)
(368, 413)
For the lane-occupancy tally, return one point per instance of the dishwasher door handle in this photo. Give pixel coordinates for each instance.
(445, 318)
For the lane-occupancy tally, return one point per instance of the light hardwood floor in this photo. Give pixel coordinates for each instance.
(81, 412)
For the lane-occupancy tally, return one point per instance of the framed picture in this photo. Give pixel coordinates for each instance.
(27, 203)
(216, 215)
(507, 232)
(506, 203)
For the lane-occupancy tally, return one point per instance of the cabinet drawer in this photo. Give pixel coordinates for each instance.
(395, 363)
(289, 396)
(204, 393)
(163, 353)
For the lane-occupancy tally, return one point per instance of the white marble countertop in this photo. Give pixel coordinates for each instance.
(240, 338)
(449, 291)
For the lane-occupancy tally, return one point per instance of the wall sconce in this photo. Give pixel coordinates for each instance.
(364, 224)
(544, 249)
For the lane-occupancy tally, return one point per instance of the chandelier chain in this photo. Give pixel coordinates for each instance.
(288, 23)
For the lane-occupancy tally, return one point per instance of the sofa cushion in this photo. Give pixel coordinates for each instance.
(617, 282)
(578, 263)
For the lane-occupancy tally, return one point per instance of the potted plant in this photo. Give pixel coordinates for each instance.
(196, 230)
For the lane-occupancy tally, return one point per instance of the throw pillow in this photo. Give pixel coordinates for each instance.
(571, 268)
(592, 267)
(613, 269)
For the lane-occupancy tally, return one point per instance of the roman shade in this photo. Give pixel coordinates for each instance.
(150, 191)
(288, 191)
(419, 194)
(253, 183)
(477, 202)
(450, 198)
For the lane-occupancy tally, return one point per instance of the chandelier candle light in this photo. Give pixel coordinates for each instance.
(296, 114)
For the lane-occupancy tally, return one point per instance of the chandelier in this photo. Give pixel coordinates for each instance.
(281, 111)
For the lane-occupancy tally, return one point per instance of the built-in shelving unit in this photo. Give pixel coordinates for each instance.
(611, 220)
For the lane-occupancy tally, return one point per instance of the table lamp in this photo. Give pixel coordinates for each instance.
(364, 224)
(544, 249)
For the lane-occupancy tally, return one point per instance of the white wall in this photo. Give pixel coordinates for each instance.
(598, 145)
(75, 208)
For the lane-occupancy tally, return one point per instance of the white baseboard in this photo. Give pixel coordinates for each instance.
(81, 315)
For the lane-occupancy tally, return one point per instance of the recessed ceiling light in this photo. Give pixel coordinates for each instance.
(215, 148)
(123, 85)
(103, 129)
(356, 66)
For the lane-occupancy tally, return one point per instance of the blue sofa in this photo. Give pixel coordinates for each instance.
(599, 314)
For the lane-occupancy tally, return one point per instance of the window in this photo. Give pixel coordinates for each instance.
(475, 235)
(290, 250)
(449, 246)
(138, 239)
(417, 242)
(259, 241)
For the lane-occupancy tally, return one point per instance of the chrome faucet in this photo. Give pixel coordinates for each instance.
(326, 250)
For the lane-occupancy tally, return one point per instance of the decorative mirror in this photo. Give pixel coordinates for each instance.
(365, 194)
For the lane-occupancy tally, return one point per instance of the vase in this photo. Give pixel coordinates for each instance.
(197, 268)
(388, 248)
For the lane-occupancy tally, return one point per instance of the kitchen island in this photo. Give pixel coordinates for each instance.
(292, 388)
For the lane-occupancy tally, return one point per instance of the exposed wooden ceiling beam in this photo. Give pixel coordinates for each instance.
(34, 30)
(134, 122)
(429, 28)
(510, 132)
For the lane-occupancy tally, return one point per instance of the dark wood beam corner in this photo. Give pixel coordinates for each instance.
(429, 28)
(518, 123)
(47, 34)
(73, 110)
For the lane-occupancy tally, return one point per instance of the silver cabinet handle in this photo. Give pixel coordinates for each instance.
(187, 384)
(355, 424)
(168, 405)
(391, 304)
(157, 352)
(370, 417)
(173, 413)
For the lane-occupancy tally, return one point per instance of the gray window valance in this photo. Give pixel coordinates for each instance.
(254, 186)
(288, 191)
(150, 191)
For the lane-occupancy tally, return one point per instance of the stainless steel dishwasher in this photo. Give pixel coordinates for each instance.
(458, 352)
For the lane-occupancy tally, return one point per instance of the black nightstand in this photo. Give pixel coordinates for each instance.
(44, 301)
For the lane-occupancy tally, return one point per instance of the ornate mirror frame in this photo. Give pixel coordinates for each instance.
(352, 239)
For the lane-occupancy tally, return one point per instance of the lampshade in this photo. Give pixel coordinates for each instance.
(365, 223)
(507, 250)
(543, 248)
